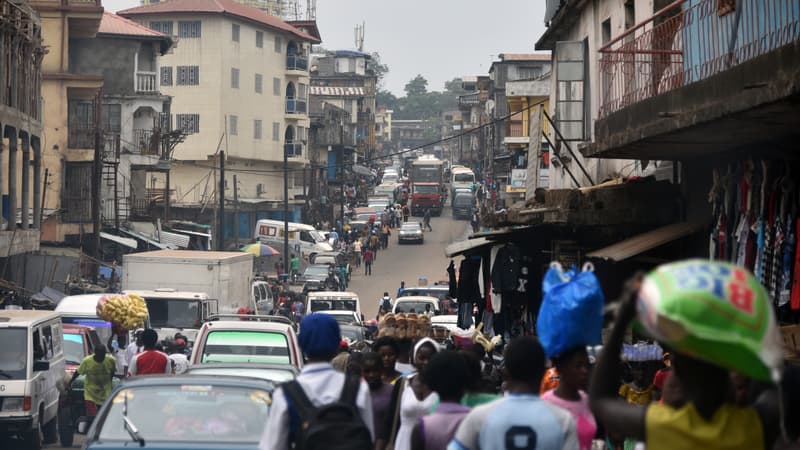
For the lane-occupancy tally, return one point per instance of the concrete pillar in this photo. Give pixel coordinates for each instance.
(11, 134)
(36, 144)
(26, 179)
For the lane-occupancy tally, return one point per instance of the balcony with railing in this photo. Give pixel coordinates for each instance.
(146, 82)
(296, 106)
(81, 137)
(146, 142)
(293, 149)
(693, 62)
(297, 63)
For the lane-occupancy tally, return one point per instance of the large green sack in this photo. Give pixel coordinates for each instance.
(713, 311)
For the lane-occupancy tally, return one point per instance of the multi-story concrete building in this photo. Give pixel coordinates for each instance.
(70, 117)
(239, 81)
(135, 113)
(343, 79)
(473, 111)
(383, 129)
(408, 133)
(21, 50)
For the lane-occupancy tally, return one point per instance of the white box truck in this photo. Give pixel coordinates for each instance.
(183, 287)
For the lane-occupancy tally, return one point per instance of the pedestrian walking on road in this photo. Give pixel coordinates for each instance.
(426, 220)
(357, 252)
(297, 419)
(381, 393)
(406, 213)
(368, 256)
(99, 369)
(150, 361)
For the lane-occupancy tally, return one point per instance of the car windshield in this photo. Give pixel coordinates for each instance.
(463, 177)
(426, 189)
(246, 346)
(165, 313)
(410, 227)
(13, 353)
(100, 326)
(316, 271)
(318, 237)
(324, 260)
(332, 304)
(352, 334)
(441, 294)
(276, 376)
(187, 413)
(74, 348)
(343, 319)
(411, 306)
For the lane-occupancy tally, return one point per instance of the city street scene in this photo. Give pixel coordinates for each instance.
(419, 225)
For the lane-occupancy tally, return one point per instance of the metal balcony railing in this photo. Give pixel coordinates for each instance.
(146, 142)
(146, 82)
(296, 106)
(293, 149)
(516, 130)
(688, 41)
(81, 137)
(296, 62)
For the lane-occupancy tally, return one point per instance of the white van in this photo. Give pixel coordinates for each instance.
(461, 178)
(32, 363)
(333, 300)
(82, 310)
(303, 239)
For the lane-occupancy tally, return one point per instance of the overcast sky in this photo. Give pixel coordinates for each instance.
(440, 39)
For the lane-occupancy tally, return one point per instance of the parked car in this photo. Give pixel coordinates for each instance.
(415, 304)
(410, 232)
(192, 412)
(262, 294)
(256, 339)
(274, 373)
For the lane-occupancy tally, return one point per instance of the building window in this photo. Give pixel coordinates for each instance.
(260, 39)
(76, 197)
(278, 44)
(630, 14)
(162, 27)
(235, 29)
(302, 134)
(233, 123)
(257, 129)
(166, 76)
(190, 123)
(529, 73)
(189, 29)
(188, 76)
(235, 78)
(112, 117)
(302, 91)
(276, 86)
(276, 131)
(81, 119)
(259, 83)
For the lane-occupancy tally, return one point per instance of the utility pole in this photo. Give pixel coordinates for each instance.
(97, 170)
(285, 207)
(44, 189)
(221, 198)
(235, 211)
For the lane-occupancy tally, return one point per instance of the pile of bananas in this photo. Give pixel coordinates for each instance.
(125, 312)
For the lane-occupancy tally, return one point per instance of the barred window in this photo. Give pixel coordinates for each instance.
(188, 122)
(112, 117)
(190, 29)
(166, 76)
(259, 83)
(162, 27)
(188, 75)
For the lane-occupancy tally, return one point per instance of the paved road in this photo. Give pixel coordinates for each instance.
(408, 262)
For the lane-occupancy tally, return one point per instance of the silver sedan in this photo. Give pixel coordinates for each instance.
(410, 232)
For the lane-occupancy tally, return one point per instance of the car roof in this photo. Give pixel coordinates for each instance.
(336, 312)
(435, 287)
(248, 325)
(418, 298)
(79, 304)
(25, 317)
(168, 294)
(332, 294)
(74, 328)
(317, 266)
(286, 367)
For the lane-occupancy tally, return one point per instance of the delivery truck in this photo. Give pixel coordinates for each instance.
(183, 287)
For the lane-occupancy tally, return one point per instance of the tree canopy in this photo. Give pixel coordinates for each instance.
(419, 103)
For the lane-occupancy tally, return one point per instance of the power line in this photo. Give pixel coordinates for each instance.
(401, 152)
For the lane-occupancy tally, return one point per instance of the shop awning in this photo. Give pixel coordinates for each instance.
(647, 241)
(461, 247)
(162, 246)
(127, 242)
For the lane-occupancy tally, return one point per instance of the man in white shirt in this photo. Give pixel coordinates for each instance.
(319, 339)
(133, 349)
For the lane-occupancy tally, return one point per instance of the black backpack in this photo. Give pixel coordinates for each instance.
(335, 426)
(386, 305)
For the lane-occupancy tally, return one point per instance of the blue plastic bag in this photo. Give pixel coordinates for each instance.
(571, 314)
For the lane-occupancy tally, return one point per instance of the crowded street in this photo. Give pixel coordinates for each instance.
(383, 225)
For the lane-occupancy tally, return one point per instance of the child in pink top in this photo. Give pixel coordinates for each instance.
(570, 395)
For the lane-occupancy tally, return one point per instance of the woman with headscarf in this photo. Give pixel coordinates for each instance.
(412, 397)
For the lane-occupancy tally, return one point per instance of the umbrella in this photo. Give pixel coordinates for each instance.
(260, 250)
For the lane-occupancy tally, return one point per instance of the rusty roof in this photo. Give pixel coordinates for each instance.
(228, 7)
(112, 24)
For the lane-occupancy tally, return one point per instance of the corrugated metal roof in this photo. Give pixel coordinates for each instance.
(332, 91)
(525, 57)
(647, 241)
(114, 24)
(219, 7)
(458, 248)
